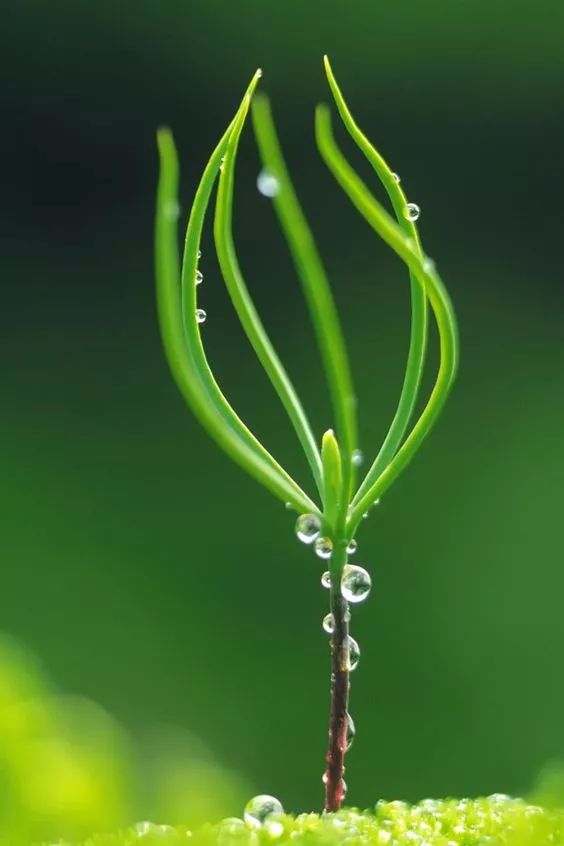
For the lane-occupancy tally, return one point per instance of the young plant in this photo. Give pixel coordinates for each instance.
(331, 525)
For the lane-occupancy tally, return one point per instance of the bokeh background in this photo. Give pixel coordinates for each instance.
(143, 570)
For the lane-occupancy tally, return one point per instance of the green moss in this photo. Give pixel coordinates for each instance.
(492, 821)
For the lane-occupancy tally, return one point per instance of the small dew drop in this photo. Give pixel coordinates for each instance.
(396, 178)
(326, 579)
(222, 163)
(199, 255)
(288, 506)
(199, 277)
(357, 457)
(260, 808)
(352, 547)
(351, 731)
(324, 777)
(308, 528)
(328, 624)
(200, 315)
(366, 515)
(429, 265)
(344, 788)
(267, 184)
(354, 653)
(171, 210)
(323, 548)
(355, 583)
(412, 212)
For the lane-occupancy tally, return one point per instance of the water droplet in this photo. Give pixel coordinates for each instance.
(288, 506)
(351, 731)
(199, 255)
(267, 184)
(171, 210)
(199, 277)
(323, 547)
(429, 265)
(200, 315)
(326, 579)
(328, 623)
(324, 777)
(412, 212)
(352, 547)
(354, 653)
(149, 829)
(355, 583)
(231, 829)
(357, 457)
(344, 788)
(260, 808)
(366, 515)
(222, 163)
(308, 528)
(396, 178)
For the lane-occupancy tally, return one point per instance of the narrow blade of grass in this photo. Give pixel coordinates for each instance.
(418, 335)
(317, 291)
(426, 275)
(193, 382)
(244, 306)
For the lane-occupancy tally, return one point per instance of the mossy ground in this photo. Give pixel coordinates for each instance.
(451, 822)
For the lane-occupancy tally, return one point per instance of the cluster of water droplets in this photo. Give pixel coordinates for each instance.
(199, 278)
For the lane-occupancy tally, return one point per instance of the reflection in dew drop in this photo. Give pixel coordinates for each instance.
(328, 623)
(355, 583)
(326, 579)
(308, 528)
(323, 548)
(354, 653)
(267, 184)
(200, 315)
(260, 808)
(352, 547)
(412, 212)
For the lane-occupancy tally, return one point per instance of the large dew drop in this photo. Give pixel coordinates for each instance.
(200, 315)
(260, 808)
(267, 184)
(355, 583)
(308, 528)
(354, 653)
(412, 212)
(323, 548)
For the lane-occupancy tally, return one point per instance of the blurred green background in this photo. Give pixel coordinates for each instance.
(144, 570)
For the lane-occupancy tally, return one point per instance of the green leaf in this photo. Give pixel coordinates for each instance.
(184, 352)
(425, 273)
(317, 291)
(418, 336)
(244, 306)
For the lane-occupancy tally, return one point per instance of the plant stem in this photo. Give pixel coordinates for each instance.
(339, 716)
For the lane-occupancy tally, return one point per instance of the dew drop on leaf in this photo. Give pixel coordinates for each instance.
(412, 212)
(199, 277)
(351, 731)
(352, 547)
(200, 315)
(326, 579)
(308, 528)
(267, 184)
(357, 457)
(396, 178)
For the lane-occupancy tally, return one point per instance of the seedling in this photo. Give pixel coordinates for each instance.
(329, 524)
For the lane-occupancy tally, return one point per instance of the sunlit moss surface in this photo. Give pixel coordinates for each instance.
(452, 822)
